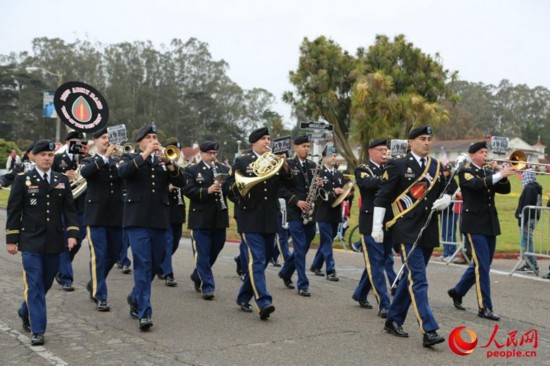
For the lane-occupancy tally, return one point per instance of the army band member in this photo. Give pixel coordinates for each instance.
(67, 163)
(208, 215)
(256, 222)
(412, 185)
(147, 216)
(173, 235)
(296, 198)
(38, 200)
(28, 164)
(328, 217)
(480, 225)
(369, 178)
(102, 215)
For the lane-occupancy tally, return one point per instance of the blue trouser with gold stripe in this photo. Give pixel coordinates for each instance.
(413, 288)
(173, 236)
(302, 235)
(207, 245)
(148, 250)
(327, 233)
(260, 250)
(483, 248)
(66, 256)
(375, 256)
(104, 243)
(39, 271)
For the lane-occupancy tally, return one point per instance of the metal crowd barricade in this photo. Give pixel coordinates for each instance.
(535, 233)
(449, 231)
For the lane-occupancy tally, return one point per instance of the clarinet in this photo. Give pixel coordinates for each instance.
(219, 177)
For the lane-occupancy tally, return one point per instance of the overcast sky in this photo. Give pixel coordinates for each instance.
(486, 41)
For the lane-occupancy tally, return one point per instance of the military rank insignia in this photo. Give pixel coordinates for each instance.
(385, 176)
(468, 176)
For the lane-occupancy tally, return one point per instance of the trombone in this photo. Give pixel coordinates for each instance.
(518, 160)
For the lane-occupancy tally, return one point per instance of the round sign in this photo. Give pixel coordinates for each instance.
(81, 107)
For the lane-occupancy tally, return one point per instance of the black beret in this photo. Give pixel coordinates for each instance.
(301, 139)
(476, 146)
(328, 150)
(377, 142)
(100, 132)
(422, 130)
(43, 145)
(257, 134)
(145, 130)
(30, 147)
(209, 145)
(74, 135)
(174, 143)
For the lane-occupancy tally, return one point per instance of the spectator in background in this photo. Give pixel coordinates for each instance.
(13, 160)
(531, 195)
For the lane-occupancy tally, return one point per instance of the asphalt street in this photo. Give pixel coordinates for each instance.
(329, 328)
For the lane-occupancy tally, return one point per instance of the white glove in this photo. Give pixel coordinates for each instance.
(442, 203)
(377, 229)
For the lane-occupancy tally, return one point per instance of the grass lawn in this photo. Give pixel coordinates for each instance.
(506, 205)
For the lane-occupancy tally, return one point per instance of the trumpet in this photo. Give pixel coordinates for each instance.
(127, 148)
(169, 153)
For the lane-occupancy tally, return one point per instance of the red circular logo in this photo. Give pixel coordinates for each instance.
(458, 345)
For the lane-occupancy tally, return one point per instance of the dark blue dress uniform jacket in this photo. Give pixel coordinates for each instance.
(479, 214)
(299, 189)
(146, 202)
(204, 212)
(401, 173)
(326, 212)
(104, 192)
(257, 212)
(368, 178)
(34, 213)
(62, 163)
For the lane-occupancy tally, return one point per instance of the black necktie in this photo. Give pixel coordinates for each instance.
(46, 177)
(422, 163)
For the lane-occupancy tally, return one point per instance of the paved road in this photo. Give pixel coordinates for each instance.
(326, 329)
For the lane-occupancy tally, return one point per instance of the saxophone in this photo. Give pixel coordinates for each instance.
(314, 192)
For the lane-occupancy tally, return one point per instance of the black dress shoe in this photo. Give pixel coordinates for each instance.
(431, 339)
(364, 304)
(238, 264)
(37, 340)
(246, 307)
(145, 324)
(170, 281)
(332, 277)
(457, 299)
(395, 329)
(286, 281)
(103, 305)
(275, 263)
(89, 288)
(196, 284)
(160, 276)
(133, 307)
(266, 311)
(67, 287)
(383, 313)
(208, 295)
(126, 270)
(488, 314)
(317, 271)
(25, 322)
(304, 292)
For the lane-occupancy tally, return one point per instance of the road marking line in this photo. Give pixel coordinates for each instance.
(25, 341)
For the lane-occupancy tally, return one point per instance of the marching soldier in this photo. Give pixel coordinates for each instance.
(67, 163)
(28, 164)
(369, 178)
(256, 223)
(480, 225)
(411, 186)
(297, 204)
(102, 215)
(208, 215)
(38, 200)
(328, 217)
(173, 236)
(147, 216)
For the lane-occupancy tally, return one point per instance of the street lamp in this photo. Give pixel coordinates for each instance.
(59, 82)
